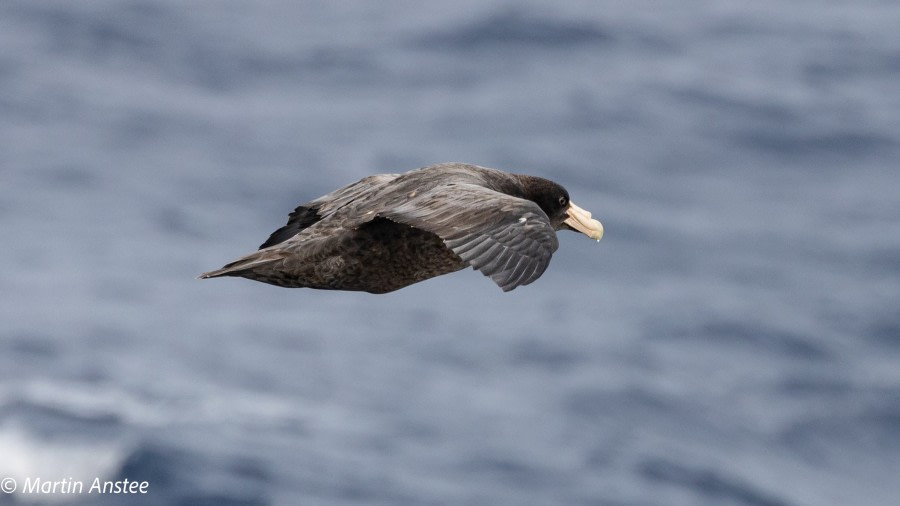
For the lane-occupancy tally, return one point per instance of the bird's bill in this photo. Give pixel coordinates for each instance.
(581, 221)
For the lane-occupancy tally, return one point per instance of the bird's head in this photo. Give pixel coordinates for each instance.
(554, 200)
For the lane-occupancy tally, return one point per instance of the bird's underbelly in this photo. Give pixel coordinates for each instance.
(381, 256)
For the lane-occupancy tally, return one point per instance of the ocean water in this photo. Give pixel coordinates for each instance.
(733, 340)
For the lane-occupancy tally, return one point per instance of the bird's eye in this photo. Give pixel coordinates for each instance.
(562, 201)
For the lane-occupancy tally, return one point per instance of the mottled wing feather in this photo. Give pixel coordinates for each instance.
(302, 217)
(505, 237)
(361, 189)
(306, 215)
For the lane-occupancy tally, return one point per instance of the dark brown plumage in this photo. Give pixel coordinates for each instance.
(388, 231)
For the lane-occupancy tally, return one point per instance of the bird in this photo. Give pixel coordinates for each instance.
(388, 231)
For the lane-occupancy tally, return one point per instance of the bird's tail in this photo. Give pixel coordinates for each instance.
(245, 264)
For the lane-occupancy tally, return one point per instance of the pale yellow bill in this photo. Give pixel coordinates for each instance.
(581, 220)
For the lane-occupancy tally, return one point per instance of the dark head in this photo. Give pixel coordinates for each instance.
(553, 199)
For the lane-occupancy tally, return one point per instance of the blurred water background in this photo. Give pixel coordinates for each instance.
(734, 339)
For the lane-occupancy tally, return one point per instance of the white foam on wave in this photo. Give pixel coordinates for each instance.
(27, 456)
(86, 400)
(32, 454)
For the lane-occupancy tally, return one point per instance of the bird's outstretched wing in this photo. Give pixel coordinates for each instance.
(507, 238)
(306, 215)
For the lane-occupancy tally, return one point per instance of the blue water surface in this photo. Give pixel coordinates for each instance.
(733, 340)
